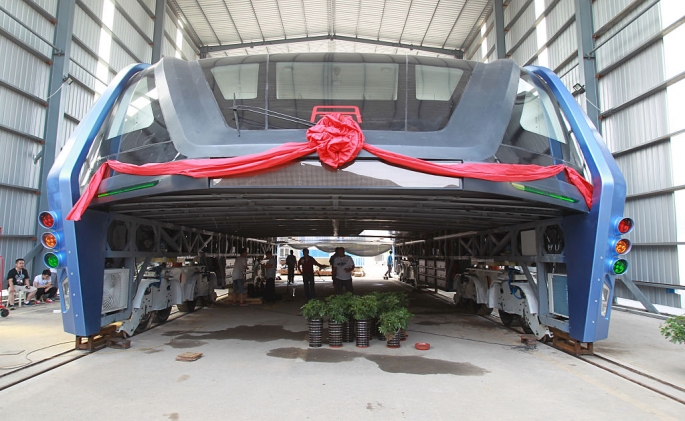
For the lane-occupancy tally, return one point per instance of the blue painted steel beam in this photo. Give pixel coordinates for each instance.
(498, 19)
(158, 36)
(588, 236)
(84, 241)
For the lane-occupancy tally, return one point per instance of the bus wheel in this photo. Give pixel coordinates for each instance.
(144, 324)
(162, 316)
(483, 310)
(506, 318)
(188, 306)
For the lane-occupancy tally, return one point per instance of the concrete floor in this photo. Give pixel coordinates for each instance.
(256, 365)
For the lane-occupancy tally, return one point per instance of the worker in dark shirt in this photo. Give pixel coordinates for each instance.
(306, 268)
(19, 278)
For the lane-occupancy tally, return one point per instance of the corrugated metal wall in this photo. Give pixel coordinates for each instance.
(125, 26)
(641, 106)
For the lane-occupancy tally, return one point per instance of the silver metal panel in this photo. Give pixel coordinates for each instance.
(28, 16)
(563, 47)
(417, 22)
(654, 264)
(15, 60)
(15, 206)
(293, 17)
(67, 127)
(95, 6)
(14, 248)
(393, 19)
(207, 23)
(522, 25)
(139, 16)
(49, 6)
(86, 29)
(626, 41)
(443, 20)
(621, 85)
(131, 38)
(558, 16)
(647, 169)
(655, 219)
(187, 50)
(267, 11)
(168, 49)
(245, 20)
(512, 10)
(77, 100)
(21, 113)
(119, 58)
(655, 295)
(526, 50)
(637, 124)
(84, 60)
(16, 160)
(605, 10)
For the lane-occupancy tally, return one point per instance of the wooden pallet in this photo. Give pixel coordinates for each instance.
(561, 340)
(97, 341)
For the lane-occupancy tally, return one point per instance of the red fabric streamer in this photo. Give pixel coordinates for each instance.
(337, 139)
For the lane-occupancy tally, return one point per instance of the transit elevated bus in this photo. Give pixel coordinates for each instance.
(201, 158)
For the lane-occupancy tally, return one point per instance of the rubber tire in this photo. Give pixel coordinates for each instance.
(162, 316)
(506, 318)
(144, 324)
(4, 312)
(524, 325)
(188, 306)
(483, 310)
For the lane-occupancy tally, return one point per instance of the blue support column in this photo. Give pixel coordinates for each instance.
(55, 113)
(498, 11)
(586, 61)
(158, 36)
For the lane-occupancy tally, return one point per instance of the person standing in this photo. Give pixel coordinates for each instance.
(270, 274)
(388, 273)
(43, 285)
(343, 265)
(238, 276)
(306, 268)
(19, 278)
(291, 262)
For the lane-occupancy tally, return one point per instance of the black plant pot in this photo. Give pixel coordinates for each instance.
(348, 331)
(315, 332)
(373, 328)
(335, 334)
(403, 335)
(362, 332)
(394, 342)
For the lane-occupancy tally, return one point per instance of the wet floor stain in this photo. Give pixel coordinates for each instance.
(151, 350)
(405, 364)
(173, 416)
(183, 378)
(184, 343)
(319, 355)
(409, 364)
(256, 333)
(431, 323)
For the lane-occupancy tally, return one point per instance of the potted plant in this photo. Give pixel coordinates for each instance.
(674, 329)
(314, 311)
(363, 310)
(348, 326)
(392, 323)
(336, 312)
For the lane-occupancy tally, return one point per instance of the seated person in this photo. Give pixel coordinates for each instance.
(19, 278)
(43, 284)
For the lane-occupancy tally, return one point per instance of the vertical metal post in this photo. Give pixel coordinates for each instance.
(498, 9)
(55, 112)
(586, 61)
(158, 35)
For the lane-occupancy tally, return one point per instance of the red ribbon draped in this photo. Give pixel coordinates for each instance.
(337, 139)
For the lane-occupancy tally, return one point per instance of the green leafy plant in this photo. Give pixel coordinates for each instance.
(388, 301)
(314, 309)
(337, 308)
(392, 321)
(364, 308)
(674, 329)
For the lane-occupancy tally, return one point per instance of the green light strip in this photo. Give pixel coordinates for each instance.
(529, 189)
(130, 188)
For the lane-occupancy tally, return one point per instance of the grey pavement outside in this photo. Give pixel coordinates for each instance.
(257, 365)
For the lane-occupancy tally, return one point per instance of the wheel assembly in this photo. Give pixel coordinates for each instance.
(506, 318)
(162, 316)
(188, 306)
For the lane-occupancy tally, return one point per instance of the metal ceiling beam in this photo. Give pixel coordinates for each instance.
(498, 12)
(158, 35)
(437, 50)
(588, 66)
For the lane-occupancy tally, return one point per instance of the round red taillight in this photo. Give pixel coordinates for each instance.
(46, 219)
(625, 225)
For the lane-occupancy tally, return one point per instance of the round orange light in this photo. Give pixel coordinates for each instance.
(623, 246)
(49, 240)
(625, 225)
